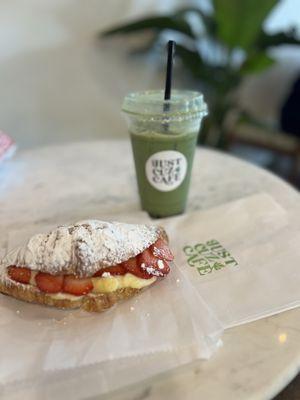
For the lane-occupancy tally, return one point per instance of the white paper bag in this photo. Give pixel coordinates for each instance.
(242, 257)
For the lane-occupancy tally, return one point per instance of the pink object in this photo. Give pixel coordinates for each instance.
(7, 146)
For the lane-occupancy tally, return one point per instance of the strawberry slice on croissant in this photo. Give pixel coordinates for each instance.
(91, 265)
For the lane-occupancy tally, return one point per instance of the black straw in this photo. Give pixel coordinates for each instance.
(171, 52)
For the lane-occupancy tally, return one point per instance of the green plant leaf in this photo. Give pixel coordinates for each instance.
(220, 79)
(176, 23)
(265, 40)
(193, 61)
(256, 63)
(239, 21)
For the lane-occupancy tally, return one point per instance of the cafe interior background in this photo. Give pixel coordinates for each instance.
(63, 76)
(62, 81)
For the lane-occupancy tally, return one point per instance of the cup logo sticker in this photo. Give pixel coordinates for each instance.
(166, 170)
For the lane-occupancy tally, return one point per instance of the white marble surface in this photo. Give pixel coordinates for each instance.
(71, 182)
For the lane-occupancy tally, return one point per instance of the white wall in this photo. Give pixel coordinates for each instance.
(58, 82)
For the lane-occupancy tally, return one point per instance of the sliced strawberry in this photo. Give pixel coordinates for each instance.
(133, 266)
(161, 250)
(49, 283)
(115, 270)
(19, 274)
(77, 286)
(153, 265)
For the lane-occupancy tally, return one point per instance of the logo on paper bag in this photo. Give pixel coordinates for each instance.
(208, 257)
(166, 170)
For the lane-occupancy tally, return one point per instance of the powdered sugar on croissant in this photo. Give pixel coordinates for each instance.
(83, 248)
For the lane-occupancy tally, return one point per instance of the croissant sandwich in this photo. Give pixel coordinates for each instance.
(90, 265)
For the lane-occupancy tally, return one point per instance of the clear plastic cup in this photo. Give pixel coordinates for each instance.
(164, 137)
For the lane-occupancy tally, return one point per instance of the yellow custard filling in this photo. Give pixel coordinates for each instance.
(64, 296)
(112, 283)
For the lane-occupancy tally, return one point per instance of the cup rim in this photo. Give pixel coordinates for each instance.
(148, 102)
(193, 95)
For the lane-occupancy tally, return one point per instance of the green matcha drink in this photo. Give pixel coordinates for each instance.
(164, 137)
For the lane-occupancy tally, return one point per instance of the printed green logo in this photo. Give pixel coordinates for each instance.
(208, 257)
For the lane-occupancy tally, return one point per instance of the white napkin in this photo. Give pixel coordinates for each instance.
(242, 257)
(170, 320)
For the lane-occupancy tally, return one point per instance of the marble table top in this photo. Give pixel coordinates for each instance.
(79, 180)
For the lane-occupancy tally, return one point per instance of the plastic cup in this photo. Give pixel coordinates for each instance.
(164, 137)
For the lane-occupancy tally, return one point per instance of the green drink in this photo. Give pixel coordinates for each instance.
(164, 137)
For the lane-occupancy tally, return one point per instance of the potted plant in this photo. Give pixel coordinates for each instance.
(218, 48)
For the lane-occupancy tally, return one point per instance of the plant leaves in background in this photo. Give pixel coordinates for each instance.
(256, 63)
(192, 60)
(265, 40)
(233, 27)
(156, 24)
(239, 21)
(217, 77)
